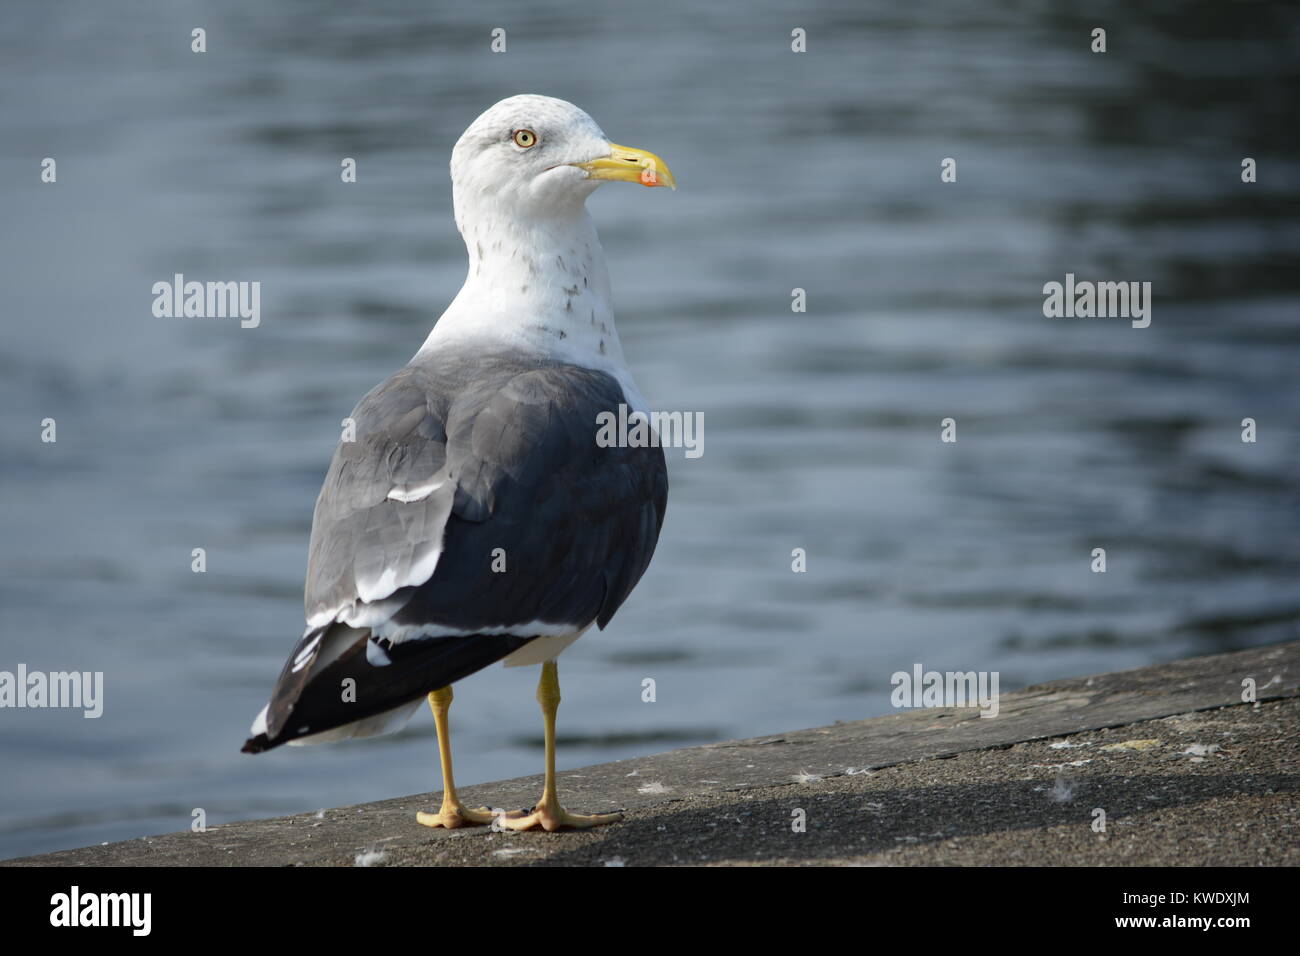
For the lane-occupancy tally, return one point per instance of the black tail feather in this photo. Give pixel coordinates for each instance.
(315, 698)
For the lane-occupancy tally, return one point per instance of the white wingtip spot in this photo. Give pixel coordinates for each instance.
(376, 656)
(418, 493)
(259, 722)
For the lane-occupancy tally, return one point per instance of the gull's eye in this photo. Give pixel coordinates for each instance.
(525, 138)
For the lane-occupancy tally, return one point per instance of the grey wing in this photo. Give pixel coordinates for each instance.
(473, 513)
(546, 526)
(383, 507)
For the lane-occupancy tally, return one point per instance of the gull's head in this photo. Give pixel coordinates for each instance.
(538, 157)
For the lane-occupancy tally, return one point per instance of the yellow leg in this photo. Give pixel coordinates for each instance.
(548, 814)
(453, 813)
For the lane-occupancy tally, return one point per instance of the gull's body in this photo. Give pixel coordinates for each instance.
(474, 518)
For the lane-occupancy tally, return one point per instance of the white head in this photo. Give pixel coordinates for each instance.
(537, 280)
(534, 157)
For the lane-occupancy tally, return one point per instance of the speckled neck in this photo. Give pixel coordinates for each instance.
(536, 286)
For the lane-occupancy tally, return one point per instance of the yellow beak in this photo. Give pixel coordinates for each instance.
(629, 165)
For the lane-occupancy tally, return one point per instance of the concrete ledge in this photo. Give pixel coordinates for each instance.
(1185, 773)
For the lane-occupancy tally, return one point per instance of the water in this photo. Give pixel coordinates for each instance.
(817, 171)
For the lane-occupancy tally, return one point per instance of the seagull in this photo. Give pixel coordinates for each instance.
(473, 516)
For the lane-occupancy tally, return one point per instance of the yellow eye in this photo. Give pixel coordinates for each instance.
(525, 138)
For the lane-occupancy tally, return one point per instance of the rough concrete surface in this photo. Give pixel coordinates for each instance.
(1184, 772)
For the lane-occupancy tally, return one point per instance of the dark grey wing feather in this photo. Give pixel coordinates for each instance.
(576, 523)
(509, 449)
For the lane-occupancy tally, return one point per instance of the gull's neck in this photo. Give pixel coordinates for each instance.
(539, 286)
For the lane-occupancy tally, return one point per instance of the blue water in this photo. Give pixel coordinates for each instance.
(818, 171)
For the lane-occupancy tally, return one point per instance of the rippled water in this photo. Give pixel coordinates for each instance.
(817, 171)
